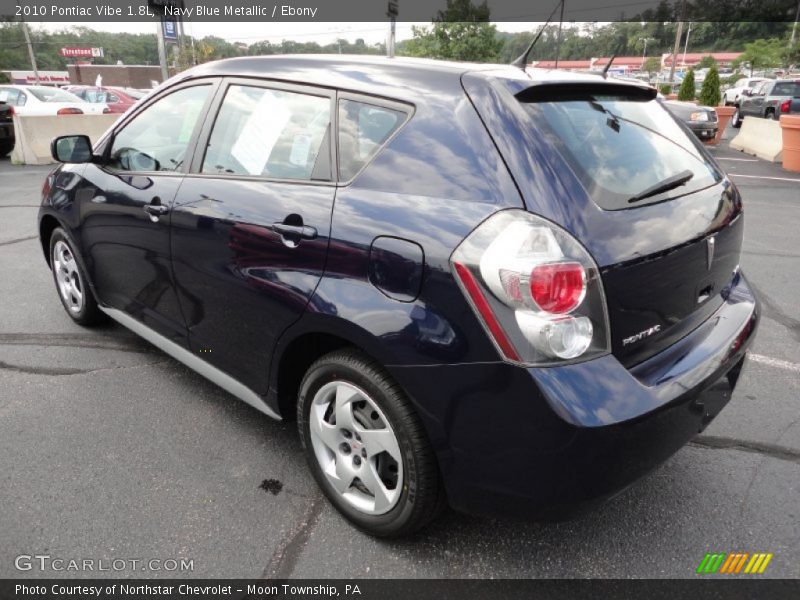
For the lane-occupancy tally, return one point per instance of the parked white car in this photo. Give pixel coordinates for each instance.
(42, 100)
(731, 95)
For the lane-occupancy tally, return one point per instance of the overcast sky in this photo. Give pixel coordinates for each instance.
(322, 33)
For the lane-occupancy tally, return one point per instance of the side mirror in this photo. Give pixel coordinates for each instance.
(71, 149)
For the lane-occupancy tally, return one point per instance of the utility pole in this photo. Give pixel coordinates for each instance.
(558, 40)
(162, 51)
(794, 26)
(392, 11)
(31, 55)
(677, 45)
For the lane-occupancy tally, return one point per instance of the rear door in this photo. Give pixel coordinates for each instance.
(251, 222)
(125, 205)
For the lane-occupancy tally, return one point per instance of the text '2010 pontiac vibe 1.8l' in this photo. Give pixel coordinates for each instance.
(509, 291)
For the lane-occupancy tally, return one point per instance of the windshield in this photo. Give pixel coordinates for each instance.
(622, 149)
(53, 95)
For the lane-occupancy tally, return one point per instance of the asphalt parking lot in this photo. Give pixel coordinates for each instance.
(111, 449)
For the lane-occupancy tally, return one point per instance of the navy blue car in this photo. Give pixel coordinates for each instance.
(510, 292)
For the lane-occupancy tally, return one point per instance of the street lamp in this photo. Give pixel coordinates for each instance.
(644, 51)
(686, 45)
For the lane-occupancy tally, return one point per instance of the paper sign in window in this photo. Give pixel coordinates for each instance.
(259, 134)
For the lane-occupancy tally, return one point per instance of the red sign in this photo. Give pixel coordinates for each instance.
(47, 78)
(77, 52)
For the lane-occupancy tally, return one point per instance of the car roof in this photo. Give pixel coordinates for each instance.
(399, 77)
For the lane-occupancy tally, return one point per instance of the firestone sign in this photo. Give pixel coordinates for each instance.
(76, 52)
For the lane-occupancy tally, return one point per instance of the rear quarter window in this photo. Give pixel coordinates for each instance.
(622, 148)
(786, 88)
(363, 129)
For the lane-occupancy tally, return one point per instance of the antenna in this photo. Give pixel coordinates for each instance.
(611, 60)
(522, 59)
(608, 66)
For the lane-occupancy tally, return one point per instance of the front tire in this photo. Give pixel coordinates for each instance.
(736, 120)
(366, 446)
(71, 283)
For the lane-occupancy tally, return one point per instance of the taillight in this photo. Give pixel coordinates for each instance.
(69, 111)
(536, 290)
(558, 288)
(785, 106)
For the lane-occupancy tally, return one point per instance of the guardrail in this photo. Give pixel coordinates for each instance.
(34, 134)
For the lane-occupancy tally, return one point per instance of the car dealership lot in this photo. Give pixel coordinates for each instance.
(110, 449)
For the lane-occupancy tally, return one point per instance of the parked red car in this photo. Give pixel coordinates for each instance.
(118, 99)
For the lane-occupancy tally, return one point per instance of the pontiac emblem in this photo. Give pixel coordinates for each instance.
(709, 252)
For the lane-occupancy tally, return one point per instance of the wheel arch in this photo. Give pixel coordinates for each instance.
(306, 341)
(47, 224)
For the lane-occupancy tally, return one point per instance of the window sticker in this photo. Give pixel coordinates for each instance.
(259, 134)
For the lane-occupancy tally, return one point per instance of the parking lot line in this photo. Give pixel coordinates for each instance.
(737, 159)
(775, 362)
(765, 177)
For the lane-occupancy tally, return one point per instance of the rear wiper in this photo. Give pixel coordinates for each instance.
(668, 184)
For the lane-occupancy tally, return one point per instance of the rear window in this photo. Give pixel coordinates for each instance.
(626, 152)
(787, 88)
(53, 95)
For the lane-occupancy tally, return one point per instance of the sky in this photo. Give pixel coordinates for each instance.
(322, 33)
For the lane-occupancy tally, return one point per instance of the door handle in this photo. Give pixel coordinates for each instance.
(297, 231)
(156, 209)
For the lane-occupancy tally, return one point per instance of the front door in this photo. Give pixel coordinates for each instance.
(251, 222)
(126, 202)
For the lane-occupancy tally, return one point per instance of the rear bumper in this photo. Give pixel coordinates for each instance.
(548, 442)
(704, 130)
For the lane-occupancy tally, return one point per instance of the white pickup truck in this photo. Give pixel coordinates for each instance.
(731, 96)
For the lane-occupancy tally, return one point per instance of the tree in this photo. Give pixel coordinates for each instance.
(707, 62)
(709, 93)
(461, 32)
(762, 54)
(651, 65)
(686, 92)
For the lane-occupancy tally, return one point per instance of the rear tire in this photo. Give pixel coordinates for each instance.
(71, 282)
(366, 446)
(770, 115)
(5, 148)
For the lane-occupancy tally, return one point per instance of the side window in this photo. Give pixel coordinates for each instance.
(112, 99)
(362, 129)
(157, 139)
(10, 96)
(269, 133)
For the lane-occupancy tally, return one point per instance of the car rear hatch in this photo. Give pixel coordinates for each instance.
(606, 161)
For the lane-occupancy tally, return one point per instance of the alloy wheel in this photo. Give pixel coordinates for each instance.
(356, 448)
(68, 277)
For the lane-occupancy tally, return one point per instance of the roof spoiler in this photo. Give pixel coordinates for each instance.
(584, 90)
